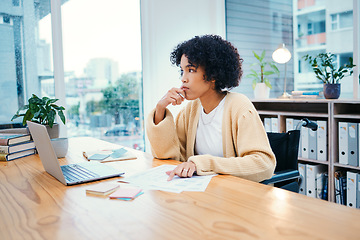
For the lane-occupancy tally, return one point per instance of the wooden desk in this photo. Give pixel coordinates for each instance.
(34, 205)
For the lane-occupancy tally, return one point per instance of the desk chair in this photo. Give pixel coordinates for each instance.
(286, 149)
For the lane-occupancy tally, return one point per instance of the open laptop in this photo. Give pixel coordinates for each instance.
(67, 174)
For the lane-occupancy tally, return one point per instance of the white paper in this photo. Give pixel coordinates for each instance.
(156, 179)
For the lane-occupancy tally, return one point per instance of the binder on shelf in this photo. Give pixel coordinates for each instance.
(358, 191)
(351, 189)
(321, 185)
(343, 143)
(358, 137)
(267, 124)
(304, 142)
(289, 124)
(311, 173)
(322, 141)
(353, 156)
(296, 122)
(337, 187)
(343, 188)
(274, 125)
(302, 179)
(312, 144)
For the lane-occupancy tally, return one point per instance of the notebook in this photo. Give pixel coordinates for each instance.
(67, 174)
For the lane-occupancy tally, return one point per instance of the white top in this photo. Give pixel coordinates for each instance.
(209, 132)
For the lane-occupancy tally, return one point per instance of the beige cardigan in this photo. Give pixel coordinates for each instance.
(247, 152)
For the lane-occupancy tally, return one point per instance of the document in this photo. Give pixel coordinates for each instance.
(156, 179)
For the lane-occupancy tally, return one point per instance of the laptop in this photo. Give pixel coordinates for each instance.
(67, 174)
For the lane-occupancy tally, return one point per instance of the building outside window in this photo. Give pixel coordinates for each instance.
(102, 61)
(318, 26)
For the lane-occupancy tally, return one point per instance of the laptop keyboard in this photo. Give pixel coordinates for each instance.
(75, 173)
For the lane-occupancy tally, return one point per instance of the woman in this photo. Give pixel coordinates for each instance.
(217, 131)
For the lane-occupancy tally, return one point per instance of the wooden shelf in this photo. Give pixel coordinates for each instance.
(332, 111)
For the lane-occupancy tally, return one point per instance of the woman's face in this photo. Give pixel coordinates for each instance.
(193, 81)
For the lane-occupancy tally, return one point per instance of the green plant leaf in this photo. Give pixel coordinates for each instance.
(262, 55)
(268, 73)
(51, 117)
(62, 116)
(254, 84)
(28, 117)
(267, 83)
(257, 56)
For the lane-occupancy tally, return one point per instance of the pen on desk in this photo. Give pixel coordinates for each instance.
(181, 95)
(85, 156)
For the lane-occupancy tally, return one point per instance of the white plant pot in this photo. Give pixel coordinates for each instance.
(261, 91)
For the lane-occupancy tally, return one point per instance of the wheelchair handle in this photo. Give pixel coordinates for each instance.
(307, 123)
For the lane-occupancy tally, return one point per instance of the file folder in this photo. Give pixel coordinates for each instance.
(274, 125)
(358, 191)
(312, 144)
(302, 179)
(296, 122)
(289, 124)
(267, 124)
(353, 144)
(321, 179)
(337, 187)
(322, 141)
(311, 174)
(305, 142)
(343, 143)
(351, 190)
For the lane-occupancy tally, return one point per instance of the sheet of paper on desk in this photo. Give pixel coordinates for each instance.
(156, 179)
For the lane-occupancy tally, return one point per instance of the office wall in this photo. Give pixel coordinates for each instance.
(164, 24)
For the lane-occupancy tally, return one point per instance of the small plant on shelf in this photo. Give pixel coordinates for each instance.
(325, 67)
(260, 77)
(40, 110)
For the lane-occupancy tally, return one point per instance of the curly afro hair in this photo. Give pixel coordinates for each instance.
(218, 57)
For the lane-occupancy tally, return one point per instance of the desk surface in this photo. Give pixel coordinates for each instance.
(34, 205)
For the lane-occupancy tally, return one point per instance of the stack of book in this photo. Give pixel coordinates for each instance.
(14, 146)
(307, 94)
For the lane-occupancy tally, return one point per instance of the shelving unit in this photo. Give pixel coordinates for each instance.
(332, 111)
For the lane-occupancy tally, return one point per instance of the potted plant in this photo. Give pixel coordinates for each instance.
(325, 69)
(43, 111)
(260, 82)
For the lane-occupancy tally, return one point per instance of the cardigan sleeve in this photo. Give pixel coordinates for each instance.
(163, 137)
(254, 158)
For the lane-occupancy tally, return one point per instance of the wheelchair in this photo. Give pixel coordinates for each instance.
(286, 149)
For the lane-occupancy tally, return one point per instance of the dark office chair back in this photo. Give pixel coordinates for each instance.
(286, 148)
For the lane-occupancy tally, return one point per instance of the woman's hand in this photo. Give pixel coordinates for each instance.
(185, 169)
(174, 96)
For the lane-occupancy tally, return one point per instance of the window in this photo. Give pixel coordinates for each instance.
(22, 56)
(342, 20)
(102, 61)
(315, 27)
(103, 70)
(251, 27)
